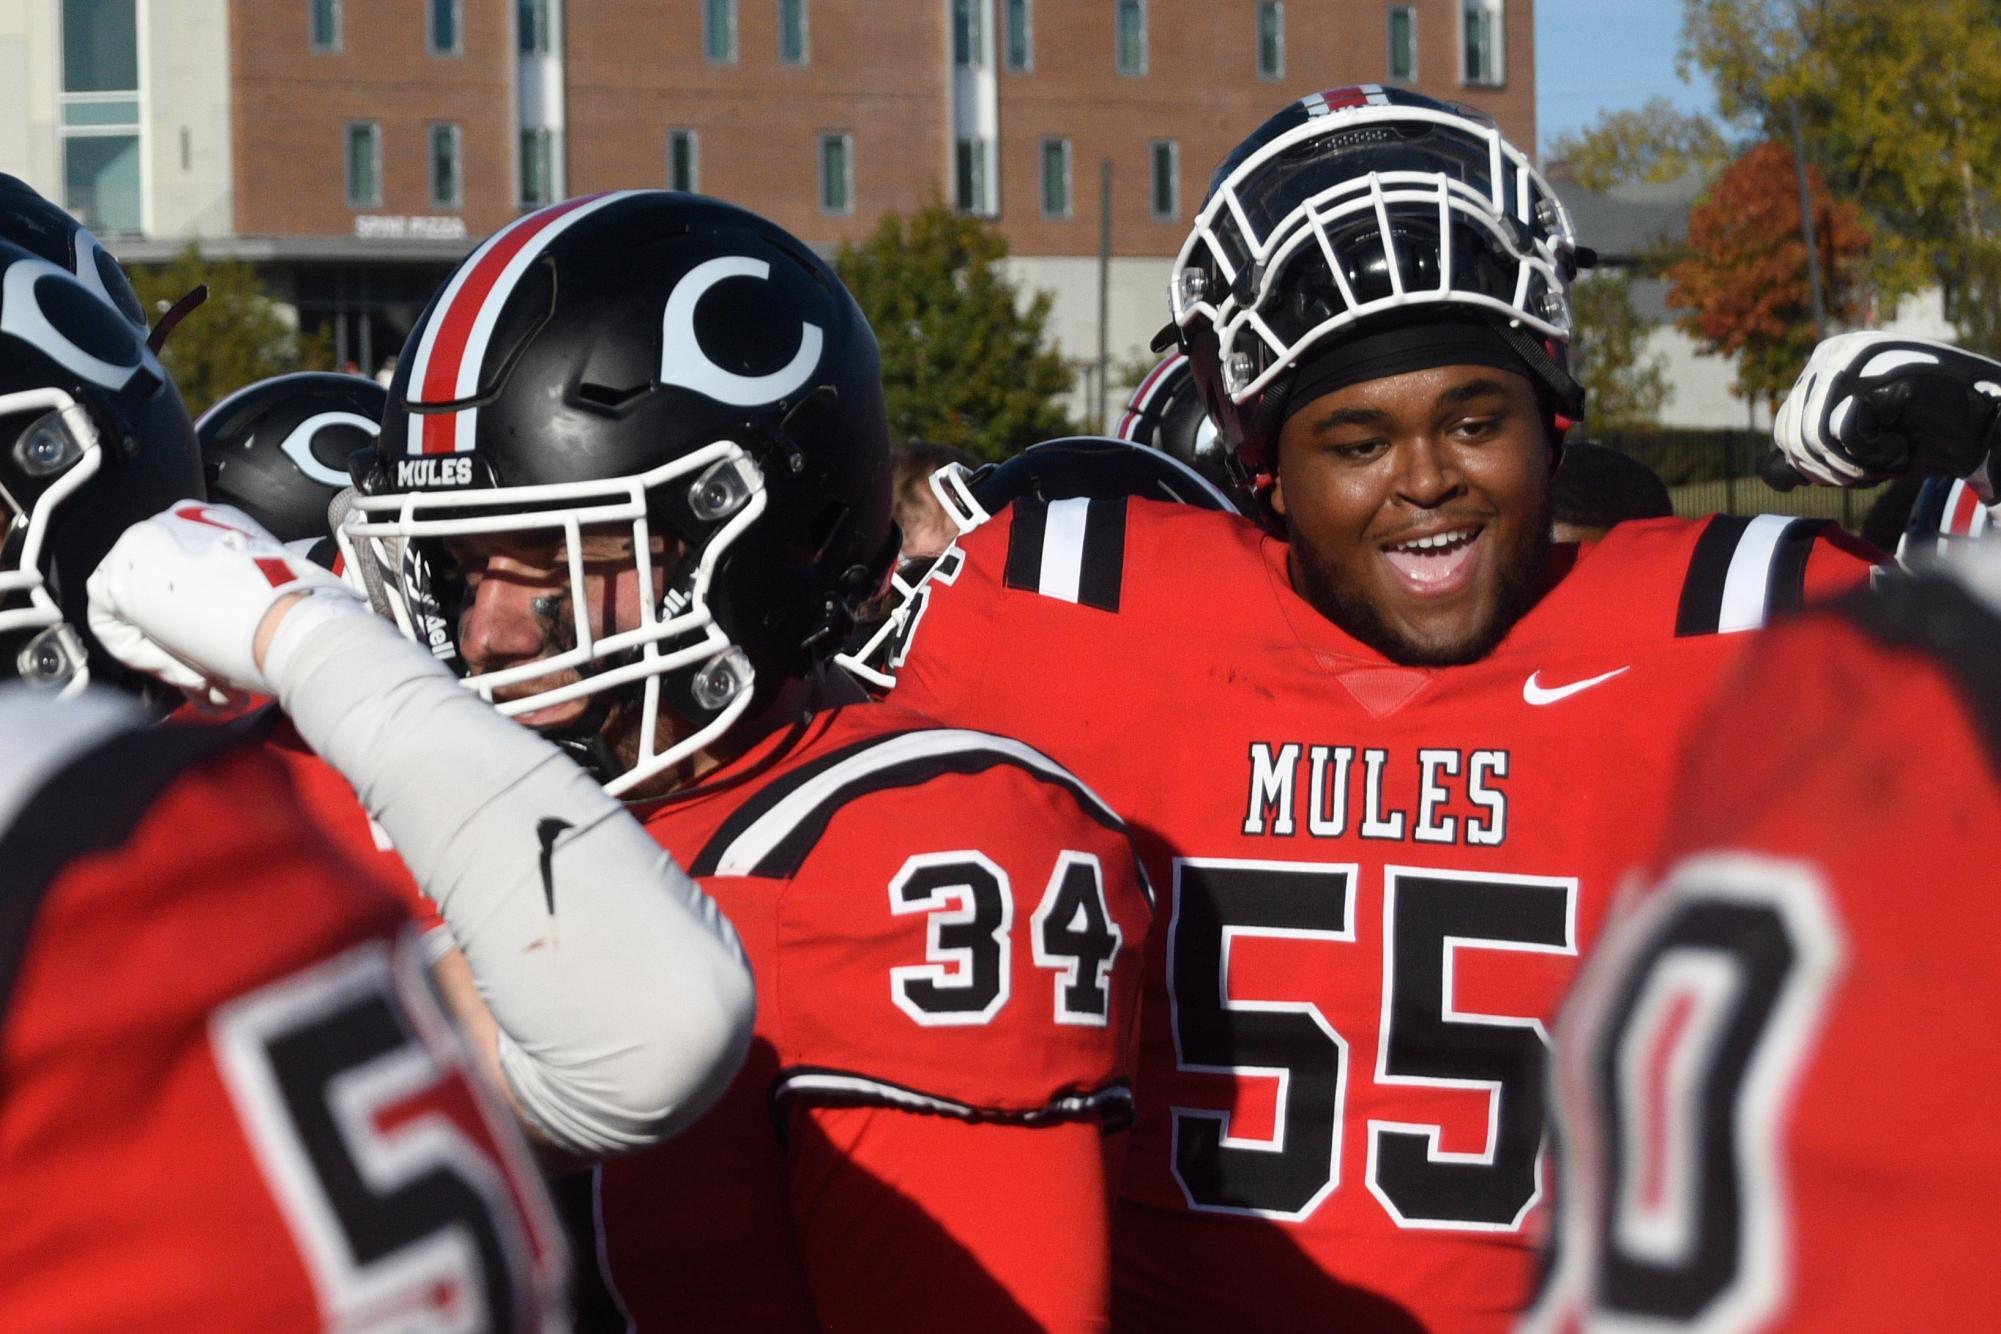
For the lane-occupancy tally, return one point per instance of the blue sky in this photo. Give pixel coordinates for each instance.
(1600, 55)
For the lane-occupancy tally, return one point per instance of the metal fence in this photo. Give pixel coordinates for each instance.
(1711, 472)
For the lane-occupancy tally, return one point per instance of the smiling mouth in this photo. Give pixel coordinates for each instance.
(1437, 563)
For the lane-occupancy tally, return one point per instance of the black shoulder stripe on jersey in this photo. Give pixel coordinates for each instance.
(1936, 616)
(1787, 591)
(768, 796)
(92, 804)
(1111, 1105)
(1051, 553)
(1708, 570)
(774, 832)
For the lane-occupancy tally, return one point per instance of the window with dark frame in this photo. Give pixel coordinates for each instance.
(533, 21)
(1480, 43)
(537, 174)
(968, 33)
(1165, 179)
(972, 192)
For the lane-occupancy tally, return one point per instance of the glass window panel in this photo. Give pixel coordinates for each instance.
(1166, 180)
(364, 166)
(101, 180)
(719, 30)
(968, 33)
(124, 111)
(535, 186)
(1056, 178)
(533, 22)
(326, 25)
(683, 167)
(1403, 43)
(834, 179)
(445, 27)
(792, 31)
(444, 166)
(1132, 36)
(100, 46)
(1020, 35)
(1271, 41)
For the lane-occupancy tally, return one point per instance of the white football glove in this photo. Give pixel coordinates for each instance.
(1874, 405)
(181, 595)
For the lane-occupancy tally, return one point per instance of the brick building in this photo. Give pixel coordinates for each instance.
(353, 149)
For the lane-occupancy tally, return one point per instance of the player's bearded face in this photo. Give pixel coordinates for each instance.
(1416, 507)
(520, 607)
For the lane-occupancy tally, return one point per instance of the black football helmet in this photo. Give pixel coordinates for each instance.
(93, 438)
(1354, 205)
(42, 228)
(278, 449)
(1166, 413)
(666, 362)
(1082, 467)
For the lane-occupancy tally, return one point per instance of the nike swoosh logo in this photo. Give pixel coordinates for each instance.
(1537, 693)
(549, 830)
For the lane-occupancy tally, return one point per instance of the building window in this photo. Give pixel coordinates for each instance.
(1271, 40)
(792, 31)
(537, 169)
(364, 165)
(719, 31)
(100, 114)
(684, 161)
(323, 17)
(1403, 43)
(1055, 178)
(1020, 34)
(533, 21)
(972, 184)
(1132, 36)
(447, 190)
(1482, 42)
(1166, 181)
(969, 36)
(446, 27)
(837, 173)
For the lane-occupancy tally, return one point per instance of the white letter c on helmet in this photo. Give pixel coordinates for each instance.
(684, 363)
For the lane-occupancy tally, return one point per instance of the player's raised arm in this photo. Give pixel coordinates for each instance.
(620, 995)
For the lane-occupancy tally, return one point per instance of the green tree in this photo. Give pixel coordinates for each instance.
(1625, 384)
(1653, 143)
(1743, 280)
(1900, 105)
(236, 337)
(965, 361)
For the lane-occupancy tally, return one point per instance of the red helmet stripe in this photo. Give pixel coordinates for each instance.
(454, 344)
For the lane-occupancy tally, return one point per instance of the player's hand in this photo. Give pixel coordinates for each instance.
(194, 596)
(1872, 405)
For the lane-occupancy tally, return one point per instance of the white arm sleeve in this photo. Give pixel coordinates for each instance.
(620, 990)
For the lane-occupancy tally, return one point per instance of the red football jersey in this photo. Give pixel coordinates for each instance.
(946, 930)
(1376, 880)
(1772, 1118)
(227, 1098)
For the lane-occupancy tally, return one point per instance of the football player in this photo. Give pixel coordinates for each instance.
(635, 472)
(202, 1126)
(103, 440)
(1386, 766)
(1727, 1163)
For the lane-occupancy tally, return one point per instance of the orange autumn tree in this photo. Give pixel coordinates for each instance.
(1743, 279)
